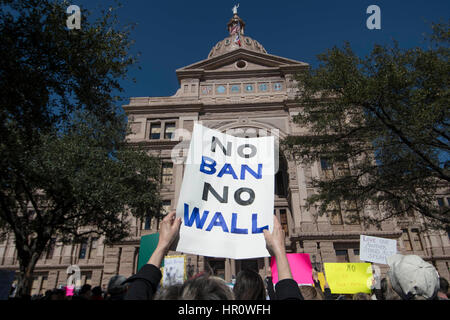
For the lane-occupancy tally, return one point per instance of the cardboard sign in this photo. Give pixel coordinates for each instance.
(174, 271)
(300, 265)
(146, 249)
(321, 278)
(227, 195)
(373, 249)
(349, 278)
(6, 280)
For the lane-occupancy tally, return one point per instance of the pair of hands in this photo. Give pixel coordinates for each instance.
(170, 228)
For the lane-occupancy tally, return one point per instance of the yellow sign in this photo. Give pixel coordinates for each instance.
(349, 278)
(321, 279)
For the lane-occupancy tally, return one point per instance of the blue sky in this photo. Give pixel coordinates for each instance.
(171, 34)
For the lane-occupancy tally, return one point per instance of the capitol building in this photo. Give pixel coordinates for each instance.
(238, 86)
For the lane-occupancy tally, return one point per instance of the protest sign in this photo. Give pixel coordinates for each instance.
(373, 249)
(174, 271)
(227, 195)
(300, 265)
(321, 278)
(6, 280)
(349, 278)
(146, 249)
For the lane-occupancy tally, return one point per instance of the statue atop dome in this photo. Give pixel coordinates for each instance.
(235, 11)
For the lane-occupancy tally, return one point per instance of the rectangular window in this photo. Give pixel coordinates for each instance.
(155, 131)
(83, 249)
(416, 239)
(51, 249)
(93, 251)
(406, 240)
(356, 252)
(284, 221)
(147, 223)
(325, 164)
(166, 205)
(342, 256)
(169, 130)
(167, 173)
(44, 285)
(335, 214)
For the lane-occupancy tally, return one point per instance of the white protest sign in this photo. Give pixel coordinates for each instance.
(373, 249)
(174, 271)
(227, 195)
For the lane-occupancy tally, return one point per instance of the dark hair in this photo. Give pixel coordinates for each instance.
(311, 293)
(249, 286)
(169, 293)
(97, 291)
(201, 288)
(443, 285)
(361, 296)
(85, 288)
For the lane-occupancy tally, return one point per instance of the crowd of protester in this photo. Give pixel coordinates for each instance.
(408, 278)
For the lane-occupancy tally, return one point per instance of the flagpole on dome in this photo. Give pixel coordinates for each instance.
(236, 26)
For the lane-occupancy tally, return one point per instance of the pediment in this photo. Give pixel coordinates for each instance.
(253, 61)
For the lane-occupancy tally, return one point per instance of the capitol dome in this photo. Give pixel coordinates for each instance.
(236, 39)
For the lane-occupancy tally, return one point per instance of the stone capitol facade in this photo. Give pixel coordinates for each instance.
(242, 87)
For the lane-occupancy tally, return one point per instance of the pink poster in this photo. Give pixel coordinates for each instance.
(300, 265)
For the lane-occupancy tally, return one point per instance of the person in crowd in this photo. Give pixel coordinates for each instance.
(412, 278)
(270, 289)
(249, 286)
(97, 293)
(58, 294)
(361, 296)
(117, 288)
(85, 293)
(311, 293)
(443, 289)
(205, 287)
(326, 294)
(143, 285)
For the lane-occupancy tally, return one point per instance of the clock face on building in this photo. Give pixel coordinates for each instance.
(221, 89)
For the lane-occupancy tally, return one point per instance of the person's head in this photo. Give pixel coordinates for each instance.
(97, 291)
(311, 293)
(412, 278)
(58, 294)
(361, 296)
(85, 291)
(249, 286)
(200, 288)
(169, 293)
(386, 290)
(443, 285)
(117, 286)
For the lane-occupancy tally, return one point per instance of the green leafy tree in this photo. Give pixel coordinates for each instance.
(65, 168)
(380, 127)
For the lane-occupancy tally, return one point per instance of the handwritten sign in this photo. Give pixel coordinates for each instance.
(227, 195)
(174, 271)
(349, 278)
(300, 265)
(373, 249)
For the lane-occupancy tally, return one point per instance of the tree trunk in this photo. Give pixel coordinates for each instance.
(25, 278)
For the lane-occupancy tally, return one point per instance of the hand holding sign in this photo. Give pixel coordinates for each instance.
(168, 232)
